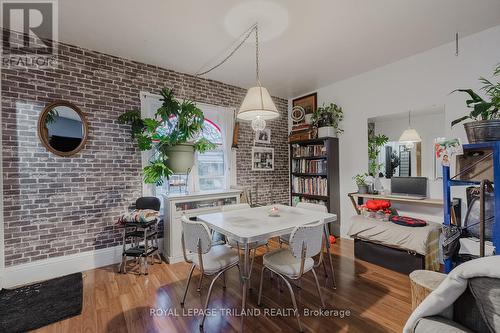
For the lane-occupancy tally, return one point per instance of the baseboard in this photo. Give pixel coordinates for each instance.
(54, 267)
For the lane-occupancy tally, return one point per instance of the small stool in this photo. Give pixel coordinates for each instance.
(140, 241)
(422, 284)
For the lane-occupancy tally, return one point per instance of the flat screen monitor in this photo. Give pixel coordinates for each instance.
(411, 186)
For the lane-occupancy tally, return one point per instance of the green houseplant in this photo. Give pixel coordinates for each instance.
(360, 180)
(327, 119)
(173, 134)
(375, 142)
(486, 119)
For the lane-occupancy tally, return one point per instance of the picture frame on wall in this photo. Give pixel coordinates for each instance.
(263, 136)
(262, 159)
(309, 103)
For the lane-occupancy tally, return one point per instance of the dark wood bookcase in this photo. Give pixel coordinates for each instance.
(330, 173)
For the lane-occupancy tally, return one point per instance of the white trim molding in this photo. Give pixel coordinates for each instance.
(55, 267)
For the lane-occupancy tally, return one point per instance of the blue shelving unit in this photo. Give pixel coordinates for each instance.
(494, 146)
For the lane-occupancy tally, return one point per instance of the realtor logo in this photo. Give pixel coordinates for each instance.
(29, 33)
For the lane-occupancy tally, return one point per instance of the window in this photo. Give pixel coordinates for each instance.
(208, 175)
(210, 165)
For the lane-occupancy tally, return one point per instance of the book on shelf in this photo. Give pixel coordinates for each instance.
(309, 166)
(297, 199)
(300, 128)
(310, 185)
(308, 151)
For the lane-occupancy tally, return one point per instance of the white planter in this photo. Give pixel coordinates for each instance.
(181, 158)
(327, 132)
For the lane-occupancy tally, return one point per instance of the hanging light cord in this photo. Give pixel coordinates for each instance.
(244, 37)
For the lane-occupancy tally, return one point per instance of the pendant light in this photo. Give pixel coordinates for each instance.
(410, 134)
(258, 105)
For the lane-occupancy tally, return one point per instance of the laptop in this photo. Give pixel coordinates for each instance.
(409, 187)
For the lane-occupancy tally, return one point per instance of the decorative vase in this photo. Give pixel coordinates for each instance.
(180, 158)
(362, 189)
(327, 132)
(483, 130)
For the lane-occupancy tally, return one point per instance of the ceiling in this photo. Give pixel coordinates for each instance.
(309, 43)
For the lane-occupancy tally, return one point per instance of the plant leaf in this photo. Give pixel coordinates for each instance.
(459, 120)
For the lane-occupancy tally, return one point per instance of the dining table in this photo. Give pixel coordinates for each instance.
(250, 225)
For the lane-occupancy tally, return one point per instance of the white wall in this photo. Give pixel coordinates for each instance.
(412, 83)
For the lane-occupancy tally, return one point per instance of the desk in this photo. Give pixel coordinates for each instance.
(254, 224)
(355, 195)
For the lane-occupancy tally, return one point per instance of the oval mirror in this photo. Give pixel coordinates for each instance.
(62, 128)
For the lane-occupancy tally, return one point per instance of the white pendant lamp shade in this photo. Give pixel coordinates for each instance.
(410, 135)
(258, 103)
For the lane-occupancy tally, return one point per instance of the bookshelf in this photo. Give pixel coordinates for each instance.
(314, 175)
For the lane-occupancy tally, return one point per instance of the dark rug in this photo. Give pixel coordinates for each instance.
(39, 304)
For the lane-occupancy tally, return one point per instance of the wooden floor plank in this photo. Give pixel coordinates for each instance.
(378, 300)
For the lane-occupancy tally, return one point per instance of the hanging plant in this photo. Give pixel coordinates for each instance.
(174, 124)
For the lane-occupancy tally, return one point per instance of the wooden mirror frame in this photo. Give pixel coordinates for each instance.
(43, 135)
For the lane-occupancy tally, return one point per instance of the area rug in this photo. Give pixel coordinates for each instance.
(39, 304)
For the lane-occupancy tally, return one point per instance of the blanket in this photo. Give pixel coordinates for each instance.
(441, 299)
(422, 240)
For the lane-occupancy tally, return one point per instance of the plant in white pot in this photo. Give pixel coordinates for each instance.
(327, 119)
(486, 118)
(360, 180)
(173, 134)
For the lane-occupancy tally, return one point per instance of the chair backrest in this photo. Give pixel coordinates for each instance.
(235, 207)
(148, 203)
(309, 235)
(312, 206)
(194, 232)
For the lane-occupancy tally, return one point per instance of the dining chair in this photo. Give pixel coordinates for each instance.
(252, 246)
(210, 260)
(304, 205)
(296, 260)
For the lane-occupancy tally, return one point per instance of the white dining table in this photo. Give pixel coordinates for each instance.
(250, 225)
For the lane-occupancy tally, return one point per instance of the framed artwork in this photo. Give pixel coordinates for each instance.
(308, 103)
(263, 136)
(262, 159)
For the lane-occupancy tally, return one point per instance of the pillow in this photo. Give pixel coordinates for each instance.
(139, 216)
(486, 291)
(408, 221)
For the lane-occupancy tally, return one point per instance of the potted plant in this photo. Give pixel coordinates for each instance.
(327, 119)
(360, 180)
(375, 142)
(486, 119)
(173, 134)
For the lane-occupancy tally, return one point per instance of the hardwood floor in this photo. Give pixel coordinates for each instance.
(378, 300)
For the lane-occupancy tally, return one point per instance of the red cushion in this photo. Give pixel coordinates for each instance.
(377, 204)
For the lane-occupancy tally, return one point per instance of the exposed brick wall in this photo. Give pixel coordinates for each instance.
(55, 206)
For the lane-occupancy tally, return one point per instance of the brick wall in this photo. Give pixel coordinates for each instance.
(56, 206)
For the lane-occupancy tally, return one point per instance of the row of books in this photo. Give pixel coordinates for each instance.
(296, 200)
(309, 166)
(310, 185)
(308, 151)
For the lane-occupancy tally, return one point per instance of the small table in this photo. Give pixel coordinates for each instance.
(422, 284)
(254, 224)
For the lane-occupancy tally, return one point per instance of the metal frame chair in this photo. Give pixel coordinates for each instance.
(196, 238)
(305, 243)
(285, 239)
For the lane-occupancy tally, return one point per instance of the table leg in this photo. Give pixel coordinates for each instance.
(327, 237)
(245, 276)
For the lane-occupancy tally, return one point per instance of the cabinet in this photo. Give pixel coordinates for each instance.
(192, 204)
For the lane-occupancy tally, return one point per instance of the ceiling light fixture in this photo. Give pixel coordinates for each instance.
(410, 135)
(257, 106)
